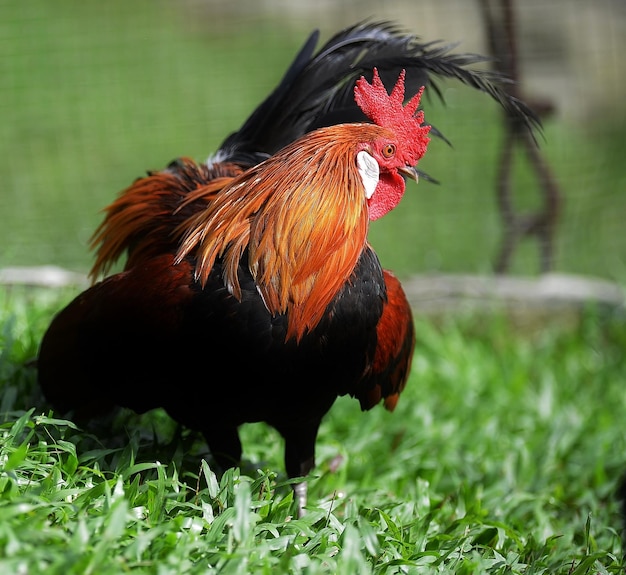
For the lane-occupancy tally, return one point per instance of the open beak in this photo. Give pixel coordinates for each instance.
(409, 172)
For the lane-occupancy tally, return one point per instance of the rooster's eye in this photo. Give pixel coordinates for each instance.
(389, 150)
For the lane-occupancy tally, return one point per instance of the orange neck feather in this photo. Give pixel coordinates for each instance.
(303, 216)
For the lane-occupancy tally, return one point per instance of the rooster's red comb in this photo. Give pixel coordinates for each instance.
(387, 110)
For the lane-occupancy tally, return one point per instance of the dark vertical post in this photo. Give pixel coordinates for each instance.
(500, 25)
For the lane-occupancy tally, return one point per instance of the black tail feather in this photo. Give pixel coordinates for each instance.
(318, 89)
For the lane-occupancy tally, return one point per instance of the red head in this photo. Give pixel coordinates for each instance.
(387, 110)
(410, 140)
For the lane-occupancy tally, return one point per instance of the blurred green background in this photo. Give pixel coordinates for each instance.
(93, 94)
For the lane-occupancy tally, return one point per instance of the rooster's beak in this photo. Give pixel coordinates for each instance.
(409, 172)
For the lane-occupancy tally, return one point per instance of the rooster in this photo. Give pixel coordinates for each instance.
(250, 292)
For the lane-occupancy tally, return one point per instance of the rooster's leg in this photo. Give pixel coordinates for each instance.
(300, 488)
(300, 457)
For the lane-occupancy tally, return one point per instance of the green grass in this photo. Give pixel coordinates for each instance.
(503, 456)
(96, 93)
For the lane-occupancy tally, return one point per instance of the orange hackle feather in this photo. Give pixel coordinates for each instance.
(303, 217)
(139, 221)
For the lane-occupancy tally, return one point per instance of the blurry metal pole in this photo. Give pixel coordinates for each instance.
(500, 27)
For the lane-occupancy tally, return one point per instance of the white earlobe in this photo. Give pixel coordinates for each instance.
(369, 171)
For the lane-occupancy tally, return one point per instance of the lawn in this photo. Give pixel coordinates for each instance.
(504, 455)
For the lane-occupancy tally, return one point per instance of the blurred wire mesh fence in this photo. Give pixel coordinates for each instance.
(94, 94)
